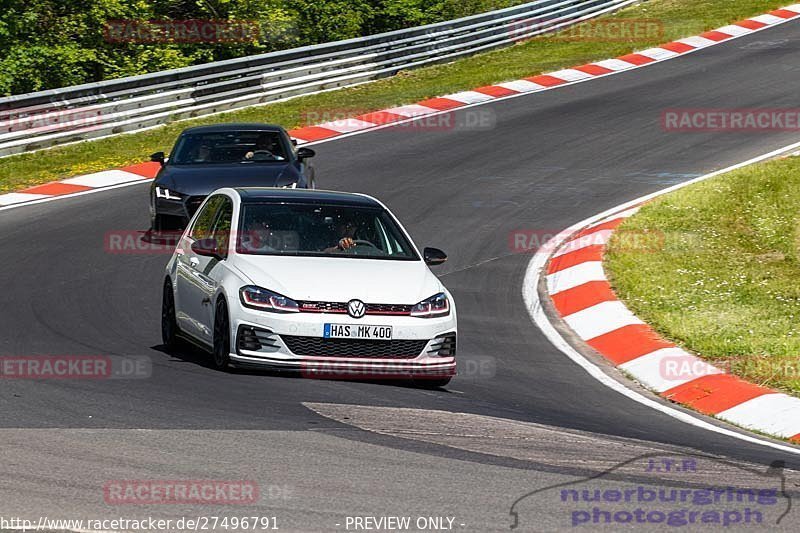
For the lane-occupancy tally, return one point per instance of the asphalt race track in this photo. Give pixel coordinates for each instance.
(550, 160)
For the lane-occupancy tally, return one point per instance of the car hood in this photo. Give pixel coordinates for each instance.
(202, 180)
(337, 279)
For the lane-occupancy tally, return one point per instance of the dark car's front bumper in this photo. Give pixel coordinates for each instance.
(173, 214)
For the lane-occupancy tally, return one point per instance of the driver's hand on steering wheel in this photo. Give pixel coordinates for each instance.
(346, 243)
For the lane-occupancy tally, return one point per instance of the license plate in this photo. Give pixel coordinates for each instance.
(357, 331)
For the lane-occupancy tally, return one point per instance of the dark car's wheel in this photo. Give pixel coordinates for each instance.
(222, 336)
(169, 324)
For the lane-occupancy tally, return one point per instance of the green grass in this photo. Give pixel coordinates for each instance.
(680, 18)
(725, 283)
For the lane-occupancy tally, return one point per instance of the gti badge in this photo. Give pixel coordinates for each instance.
(356, 308)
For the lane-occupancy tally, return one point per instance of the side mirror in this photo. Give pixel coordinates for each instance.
(207, 248)
(305, 153)
(158, 157)
(434, 256)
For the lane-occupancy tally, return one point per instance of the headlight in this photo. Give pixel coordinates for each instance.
(290, 186)
(436, 305)
(166, 194)
(265, 300)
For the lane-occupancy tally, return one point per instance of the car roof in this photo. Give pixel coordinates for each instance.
(244, 126)
(272, 194)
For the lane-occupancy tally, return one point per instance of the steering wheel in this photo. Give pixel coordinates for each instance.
(362, 242)
(262, 155)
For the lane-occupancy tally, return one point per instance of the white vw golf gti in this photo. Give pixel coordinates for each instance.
(325, 283)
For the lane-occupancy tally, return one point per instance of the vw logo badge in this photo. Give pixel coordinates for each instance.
(356, 308)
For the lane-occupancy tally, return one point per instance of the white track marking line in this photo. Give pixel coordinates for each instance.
(778, 414)
(11, 198)
(530, 294)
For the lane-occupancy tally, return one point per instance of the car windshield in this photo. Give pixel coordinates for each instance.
(321, 230)
(247, 147)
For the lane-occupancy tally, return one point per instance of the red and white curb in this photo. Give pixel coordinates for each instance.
(81, 184)
(582, 296)
(431, 106)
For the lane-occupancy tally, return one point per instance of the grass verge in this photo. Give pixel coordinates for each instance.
(724, 281)
(678, 18)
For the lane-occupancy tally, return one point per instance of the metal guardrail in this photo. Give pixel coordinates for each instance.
(39, 120)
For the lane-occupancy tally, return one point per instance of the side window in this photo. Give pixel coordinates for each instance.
(222, 226)
(204, 222)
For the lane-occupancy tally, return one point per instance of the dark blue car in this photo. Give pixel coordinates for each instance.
(207, 158)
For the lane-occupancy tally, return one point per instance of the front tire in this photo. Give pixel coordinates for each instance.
(222, 337)
(169, 324)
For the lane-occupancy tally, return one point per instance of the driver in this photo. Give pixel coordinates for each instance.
(264, 144)
(202, 154)
(346, 229)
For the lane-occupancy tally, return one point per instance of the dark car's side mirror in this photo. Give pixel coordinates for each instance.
(206, 247)
(434, 256)
(158, 157)
(305, 153)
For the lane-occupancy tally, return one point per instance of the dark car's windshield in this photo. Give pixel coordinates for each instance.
(321, 230)
(228, 147)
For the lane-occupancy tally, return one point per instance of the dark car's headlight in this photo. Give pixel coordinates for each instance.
(435, 306)
(259, 298)
(166, 194)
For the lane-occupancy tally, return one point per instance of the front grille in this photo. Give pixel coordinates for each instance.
(341, 307)
(388, 309)
(321, 347)
(322, 307)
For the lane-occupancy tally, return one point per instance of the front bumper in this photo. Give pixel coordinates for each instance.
(174, 214)
(420, 347)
